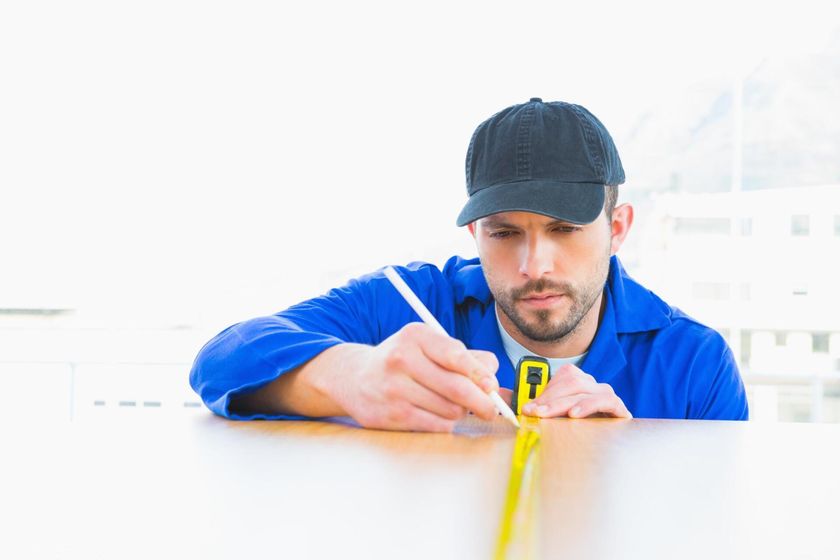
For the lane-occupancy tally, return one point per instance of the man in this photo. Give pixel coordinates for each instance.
(542, 180)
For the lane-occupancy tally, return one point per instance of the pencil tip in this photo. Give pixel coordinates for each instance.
(508, 413)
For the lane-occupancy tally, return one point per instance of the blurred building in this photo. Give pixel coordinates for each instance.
(761, 266)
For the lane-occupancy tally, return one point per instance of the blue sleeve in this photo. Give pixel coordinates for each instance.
(719, 392)
(250, 354)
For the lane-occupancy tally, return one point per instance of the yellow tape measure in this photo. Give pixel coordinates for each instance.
(517, 536)
(517, 531)
(532, 375)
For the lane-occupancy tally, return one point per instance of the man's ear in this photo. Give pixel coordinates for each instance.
(471, 227)
(622, 220)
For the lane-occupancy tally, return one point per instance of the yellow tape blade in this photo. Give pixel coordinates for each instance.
(516, 534)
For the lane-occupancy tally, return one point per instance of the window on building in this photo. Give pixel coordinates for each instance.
(800, 225)
(746, 227)
(837, 226)
(819, 343)
(746, 346)
(710, 290)
(781, 338)
(704, 226)
(800, 289)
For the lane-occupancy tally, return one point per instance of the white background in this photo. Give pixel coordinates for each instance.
(200, 162)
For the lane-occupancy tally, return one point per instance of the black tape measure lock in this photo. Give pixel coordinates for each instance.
(532, 375)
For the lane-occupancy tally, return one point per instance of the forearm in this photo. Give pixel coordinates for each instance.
(308, 390)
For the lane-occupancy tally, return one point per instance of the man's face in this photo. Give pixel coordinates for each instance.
(546, 275)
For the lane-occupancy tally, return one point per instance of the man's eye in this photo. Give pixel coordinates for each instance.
(567, 229)
(501, 234)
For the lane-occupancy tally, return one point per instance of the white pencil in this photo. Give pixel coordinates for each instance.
(430, 320)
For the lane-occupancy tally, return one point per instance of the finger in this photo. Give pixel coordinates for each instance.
(453, 387)
(451, 354)
(568, 380)
(507, 395)
(611, 405)
(569, 369)
(424, 421)
(553, 408)
(432, 402)
(406, 417)
(491, 362)
(407, 356)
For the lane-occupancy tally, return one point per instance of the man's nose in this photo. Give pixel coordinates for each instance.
(537, 258)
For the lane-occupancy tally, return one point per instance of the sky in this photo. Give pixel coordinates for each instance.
(196, 161)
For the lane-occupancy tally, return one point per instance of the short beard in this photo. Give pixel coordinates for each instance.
(542, 329)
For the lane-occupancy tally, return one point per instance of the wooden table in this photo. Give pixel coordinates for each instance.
(205, 487)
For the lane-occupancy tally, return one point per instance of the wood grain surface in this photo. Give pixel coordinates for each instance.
(211, 488)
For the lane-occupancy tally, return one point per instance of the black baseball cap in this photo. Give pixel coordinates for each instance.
(548, 158)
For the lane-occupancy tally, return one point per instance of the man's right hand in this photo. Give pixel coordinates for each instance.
(416, 379)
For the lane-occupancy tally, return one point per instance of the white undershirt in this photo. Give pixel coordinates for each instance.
(516, 351)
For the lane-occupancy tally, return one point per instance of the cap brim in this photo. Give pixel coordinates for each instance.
(577, 203)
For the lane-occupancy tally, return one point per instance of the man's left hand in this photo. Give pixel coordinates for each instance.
(576, 394)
